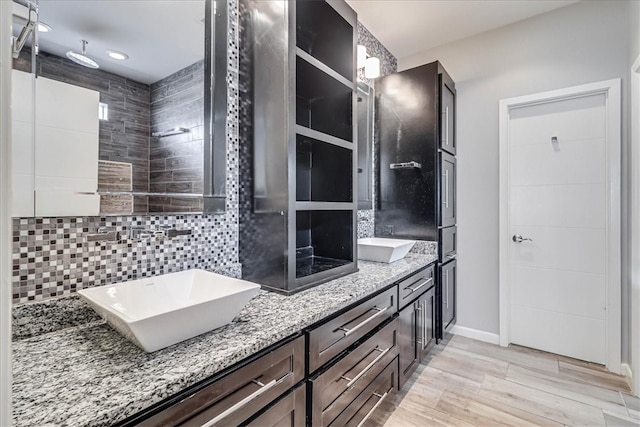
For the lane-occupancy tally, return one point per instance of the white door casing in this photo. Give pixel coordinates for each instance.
(604, 261)
(634, 202)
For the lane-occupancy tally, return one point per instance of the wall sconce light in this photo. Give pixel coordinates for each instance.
(371, 64)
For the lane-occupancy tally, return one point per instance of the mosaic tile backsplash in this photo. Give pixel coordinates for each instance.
(51, 257)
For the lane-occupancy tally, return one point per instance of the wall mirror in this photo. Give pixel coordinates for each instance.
(120, 108)
(366, 100)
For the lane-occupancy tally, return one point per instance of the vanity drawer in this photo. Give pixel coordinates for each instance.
(380, 390)
(234, 398)
(414, 286)
(333, 337)
(448, 243)
(289, 411)
(334, 389)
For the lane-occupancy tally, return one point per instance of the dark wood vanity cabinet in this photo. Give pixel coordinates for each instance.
(415, 123)
(447, 190)
(334, 389)
(448, 247)
(447, 114)
(289, 411)
(416, 329)
(447, 286)
(337, 334)
(238, 396)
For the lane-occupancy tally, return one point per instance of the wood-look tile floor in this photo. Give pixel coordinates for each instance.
(471, 383)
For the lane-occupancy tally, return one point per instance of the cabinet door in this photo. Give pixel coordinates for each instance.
(448, 119)
(336, 335)
(447, 245)
(335, 388)
(447, 190)
(448, 280)
(409, 356)
(427, 322)
(290, 411)
(236, 397)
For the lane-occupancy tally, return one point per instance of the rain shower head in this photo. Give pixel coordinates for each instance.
(82, 58)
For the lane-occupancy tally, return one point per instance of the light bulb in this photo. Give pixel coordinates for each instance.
(372, 68)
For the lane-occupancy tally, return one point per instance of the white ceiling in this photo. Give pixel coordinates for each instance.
(160, 37)
(408, 27)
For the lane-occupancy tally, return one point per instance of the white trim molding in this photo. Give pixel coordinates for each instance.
(475, 334)
(634, 225)
(627, 373)
(5, 219)
(612, 91)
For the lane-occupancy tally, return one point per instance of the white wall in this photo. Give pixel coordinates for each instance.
(578, 44)
(5, 230)
(634, 201)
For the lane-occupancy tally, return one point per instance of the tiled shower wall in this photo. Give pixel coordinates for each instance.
(125, 136)
(177, 161)
(51, 257)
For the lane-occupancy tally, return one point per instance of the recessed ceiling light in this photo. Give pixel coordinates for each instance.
(120, 56)
(44, 28)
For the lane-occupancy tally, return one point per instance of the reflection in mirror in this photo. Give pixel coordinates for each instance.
(119, 107)
(366, 99)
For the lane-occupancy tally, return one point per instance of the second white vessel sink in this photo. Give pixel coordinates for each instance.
(383, 250)
(159, 311)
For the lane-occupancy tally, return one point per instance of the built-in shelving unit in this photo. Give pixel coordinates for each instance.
(311, 179)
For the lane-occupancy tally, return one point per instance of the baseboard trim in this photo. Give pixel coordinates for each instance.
(627, 373)
(476, 334)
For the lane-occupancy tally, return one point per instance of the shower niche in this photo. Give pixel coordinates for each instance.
(302, 206)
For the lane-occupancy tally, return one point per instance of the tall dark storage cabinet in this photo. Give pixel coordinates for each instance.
(416, 140)
(299, 61)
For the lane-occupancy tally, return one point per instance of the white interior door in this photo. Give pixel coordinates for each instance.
(558, 199)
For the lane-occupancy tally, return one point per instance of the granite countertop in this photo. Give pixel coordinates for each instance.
(88, 374)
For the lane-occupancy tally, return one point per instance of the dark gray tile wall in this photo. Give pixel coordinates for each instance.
(125, 136)
(176, 162)
(51, 257)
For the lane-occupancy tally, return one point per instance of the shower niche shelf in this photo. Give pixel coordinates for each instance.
(303, 190)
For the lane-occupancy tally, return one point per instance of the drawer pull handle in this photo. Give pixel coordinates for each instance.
(378, 403)
(366, 368)
(446, 189)
(380, 312)
(451, 256)
(421, 285)
(264, 388)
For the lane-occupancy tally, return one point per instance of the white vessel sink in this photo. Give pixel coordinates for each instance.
(159, 311)
(383, 250)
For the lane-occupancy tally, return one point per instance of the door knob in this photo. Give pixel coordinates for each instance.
(519, 239)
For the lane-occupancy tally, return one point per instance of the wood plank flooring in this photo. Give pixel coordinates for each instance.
(472, 383)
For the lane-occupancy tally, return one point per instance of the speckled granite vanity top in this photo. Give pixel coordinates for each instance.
(87, 374)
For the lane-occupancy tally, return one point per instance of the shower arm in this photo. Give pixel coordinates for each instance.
(27, 30)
